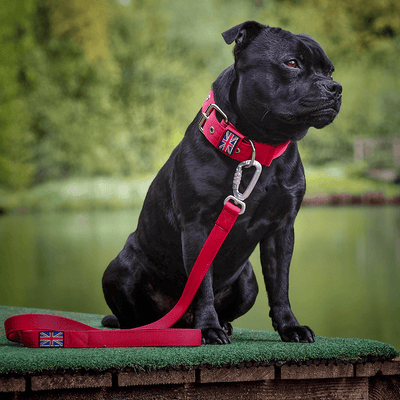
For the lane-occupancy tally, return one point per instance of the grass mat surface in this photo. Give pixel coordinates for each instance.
(247, 346)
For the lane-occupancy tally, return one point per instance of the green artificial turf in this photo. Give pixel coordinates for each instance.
(253, 346)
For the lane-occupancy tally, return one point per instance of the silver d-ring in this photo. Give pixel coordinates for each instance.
(238, 202)
(253, 154)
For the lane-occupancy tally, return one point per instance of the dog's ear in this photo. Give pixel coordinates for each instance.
(242, 33)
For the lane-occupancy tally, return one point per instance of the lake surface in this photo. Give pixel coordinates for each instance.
(344, 282)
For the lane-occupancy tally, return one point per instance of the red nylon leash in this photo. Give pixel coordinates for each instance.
(45, 330)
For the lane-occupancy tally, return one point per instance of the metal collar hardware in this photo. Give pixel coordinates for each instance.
(207, 113)
(238, 198)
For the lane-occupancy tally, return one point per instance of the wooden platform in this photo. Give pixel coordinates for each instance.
(256, 365)
(379, 380)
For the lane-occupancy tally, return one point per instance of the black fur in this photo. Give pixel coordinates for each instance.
(270, 99)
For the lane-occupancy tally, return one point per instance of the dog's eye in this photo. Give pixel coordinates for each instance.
(292, 64)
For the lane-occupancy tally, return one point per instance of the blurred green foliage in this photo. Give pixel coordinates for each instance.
(107, 88)
(16, 166)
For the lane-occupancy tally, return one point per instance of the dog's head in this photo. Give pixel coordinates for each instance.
(283, 82)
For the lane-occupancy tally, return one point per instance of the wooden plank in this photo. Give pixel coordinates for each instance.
(318, 389)
(236, 374)
(275, 389)
(11, 384)
(161, 377)
(317, 371)
(71, 381)
(383, 368)
(226, 391)
(384, 388)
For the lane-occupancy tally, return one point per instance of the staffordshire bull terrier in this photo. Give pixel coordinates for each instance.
(278, 87)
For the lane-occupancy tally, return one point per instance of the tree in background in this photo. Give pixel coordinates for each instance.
(95, 88)
(16, 167)
(98, 93)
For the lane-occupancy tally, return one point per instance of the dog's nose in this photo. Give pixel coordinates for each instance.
(332, 87)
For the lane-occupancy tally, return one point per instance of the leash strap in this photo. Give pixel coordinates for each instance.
(45, 330)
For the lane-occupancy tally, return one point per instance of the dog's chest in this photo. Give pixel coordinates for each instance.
(272, 197)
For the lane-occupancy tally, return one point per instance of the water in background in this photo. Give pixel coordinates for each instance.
(344, 280)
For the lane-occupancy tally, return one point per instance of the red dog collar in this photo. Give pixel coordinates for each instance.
(226, 138)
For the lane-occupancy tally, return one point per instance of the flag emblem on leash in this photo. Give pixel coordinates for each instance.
(228, 142)
(51, 339)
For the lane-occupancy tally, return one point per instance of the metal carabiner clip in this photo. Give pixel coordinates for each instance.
(238, 177)
(238, 197)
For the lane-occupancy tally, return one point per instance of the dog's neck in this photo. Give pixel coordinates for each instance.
(223, 135)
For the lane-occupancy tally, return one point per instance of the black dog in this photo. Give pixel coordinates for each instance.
(279, 86)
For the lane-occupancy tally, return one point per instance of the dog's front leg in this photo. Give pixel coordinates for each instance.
(205, 315)
(276, 254)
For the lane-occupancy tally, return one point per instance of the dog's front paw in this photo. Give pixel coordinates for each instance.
(302, 334)
(228, 328)
(214, 336)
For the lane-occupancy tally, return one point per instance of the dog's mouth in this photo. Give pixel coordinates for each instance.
(322, 118)
(317, 116)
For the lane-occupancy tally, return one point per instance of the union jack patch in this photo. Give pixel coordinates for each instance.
(51, 339)
(228, 142)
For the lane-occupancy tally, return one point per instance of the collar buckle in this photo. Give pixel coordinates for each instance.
(226, 138)
(207, 113)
